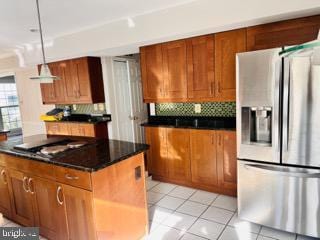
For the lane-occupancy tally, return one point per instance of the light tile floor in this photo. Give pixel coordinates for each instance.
(181, 213)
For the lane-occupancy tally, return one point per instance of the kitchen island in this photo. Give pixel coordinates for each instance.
(96, 191)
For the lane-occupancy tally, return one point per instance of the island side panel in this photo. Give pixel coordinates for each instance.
(119, 196)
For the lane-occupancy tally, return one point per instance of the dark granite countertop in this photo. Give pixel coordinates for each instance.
(4, 131)
(85, 118)
(210, 123)
(96, 155)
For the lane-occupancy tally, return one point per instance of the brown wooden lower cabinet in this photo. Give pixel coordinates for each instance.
(158, 151)
(99, 130)
(21, 199)
(112, 205)
(204, 159)
(178, 157)
(5, 205)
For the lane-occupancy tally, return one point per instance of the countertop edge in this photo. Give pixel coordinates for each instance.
(80, 168)
(188, 127)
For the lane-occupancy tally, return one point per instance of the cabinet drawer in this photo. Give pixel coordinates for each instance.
(35, 168)
(73, 177)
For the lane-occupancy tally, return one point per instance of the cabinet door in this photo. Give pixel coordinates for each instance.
(200, 59)
(81, 80)
(75, 130)
(284, 33)
(87, 130)
(178, 143)
(54, 128)
(227, 159)
(78, 205)
(63, 72)
(175, 69)
(54, 92)
(49, 209)
(203, 157)
(152, 72)
(157, 155)
(5, 205)
(21, 199)
(227, 45)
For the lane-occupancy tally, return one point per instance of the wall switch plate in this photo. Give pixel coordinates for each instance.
(74, 107)
(95, 107)
(197, 108)
(101, 107)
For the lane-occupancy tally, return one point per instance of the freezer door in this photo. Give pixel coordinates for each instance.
(258, 101)
(280, 197)
(301, 111)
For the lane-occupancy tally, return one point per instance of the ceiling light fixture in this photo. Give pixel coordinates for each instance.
(45, 73)
(131, 23)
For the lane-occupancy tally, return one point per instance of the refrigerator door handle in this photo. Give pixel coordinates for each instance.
(286, 103)
(283, 171)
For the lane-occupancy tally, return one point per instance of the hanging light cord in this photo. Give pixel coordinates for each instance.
(40, 30)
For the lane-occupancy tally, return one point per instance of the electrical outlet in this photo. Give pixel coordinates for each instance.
(197, 108)
(74, 107)
(101, 107)
(95, 107)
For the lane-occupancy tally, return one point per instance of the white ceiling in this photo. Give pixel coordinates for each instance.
(59, 17)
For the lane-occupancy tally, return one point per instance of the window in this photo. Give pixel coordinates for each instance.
(9, 104)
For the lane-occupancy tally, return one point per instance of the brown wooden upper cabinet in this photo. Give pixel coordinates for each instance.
(80, 81)
(227, 45)
(197, 69)
(200, 60)
(174, 58)
(278, 34)
(151, 72)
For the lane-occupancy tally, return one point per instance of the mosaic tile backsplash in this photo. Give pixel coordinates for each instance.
(208, 109)
(84, 108)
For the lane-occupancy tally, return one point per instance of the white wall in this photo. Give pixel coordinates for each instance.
(193, 18)
(29, 94)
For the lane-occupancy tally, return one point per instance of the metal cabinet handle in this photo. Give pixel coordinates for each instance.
(219, 87)
(211, 88)
(30, 183)
(4, 176)
(24, 184)
(69, 177)
(59, 189)
(282, 171)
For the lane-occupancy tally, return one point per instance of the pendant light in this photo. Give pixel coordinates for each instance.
(45, 73)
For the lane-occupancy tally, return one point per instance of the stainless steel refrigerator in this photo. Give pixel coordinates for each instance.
(278, 139)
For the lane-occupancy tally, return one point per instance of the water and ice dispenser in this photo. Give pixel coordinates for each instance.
(257, 125)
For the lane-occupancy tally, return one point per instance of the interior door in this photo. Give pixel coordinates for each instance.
(203, 149)
(175, 69)
(21, 198)
(78, 206)
(227, 45)
(123, 119)
(200, 60)
(139, 113)
(50, 214)
(178, 154)
(158, 152)
(301, 113)
(5, 205)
